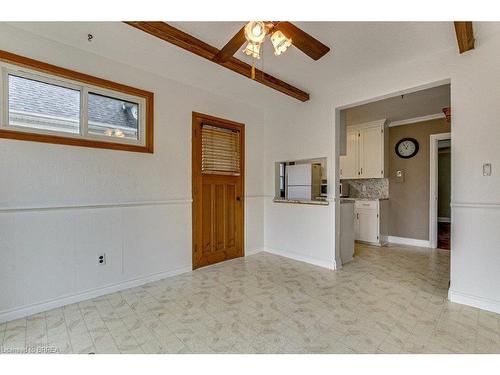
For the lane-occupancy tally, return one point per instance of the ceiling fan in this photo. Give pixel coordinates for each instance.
(282, 36)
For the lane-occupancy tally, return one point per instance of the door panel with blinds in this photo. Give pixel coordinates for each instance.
(220, 150)
(218, 170)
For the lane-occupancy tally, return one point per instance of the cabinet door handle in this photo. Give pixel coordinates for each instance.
(361, 170)
(357, 216)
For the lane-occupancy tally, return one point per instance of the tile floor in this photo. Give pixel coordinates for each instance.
(388, 300)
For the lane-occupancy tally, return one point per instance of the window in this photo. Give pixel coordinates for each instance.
(43, 106)
(113, 117)
(41, 102)
(220, 151)
(301, 180)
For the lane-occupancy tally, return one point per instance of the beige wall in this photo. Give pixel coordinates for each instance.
(409, 200)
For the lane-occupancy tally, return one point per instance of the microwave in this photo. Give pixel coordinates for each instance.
(344, 189)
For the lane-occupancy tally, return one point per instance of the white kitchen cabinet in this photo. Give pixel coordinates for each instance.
(371, 152)
(349, 161)
(365, 156)
(367, 225)
(370, 221)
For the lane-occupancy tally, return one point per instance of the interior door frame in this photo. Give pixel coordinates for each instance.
(340, 126)
(433, 188)
(196, 177)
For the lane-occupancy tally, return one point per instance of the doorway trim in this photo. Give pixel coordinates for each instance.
(196, 177)
(340, 132)
(433, 186)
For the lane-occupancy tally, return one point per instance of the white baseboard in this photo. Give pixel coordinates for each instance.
(302, 258)
(444, 219)
(28, 310)
(408, 241)
(474, 301)
(24, 311)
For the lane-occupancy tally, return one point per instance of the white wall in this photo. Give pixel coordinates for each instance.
(49, 253)
(303, 232)
(309, 131)
(60, 206)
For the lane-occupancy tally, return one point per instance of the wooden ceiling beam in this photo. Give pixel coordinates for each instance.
(188, 42)
(465, 35)
(231, 47)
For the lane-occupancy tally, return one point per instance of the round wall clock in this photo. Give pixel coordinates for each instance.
(407, 148)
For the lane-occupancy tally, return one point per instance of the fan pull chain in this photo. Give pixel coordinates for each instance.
(262, 64)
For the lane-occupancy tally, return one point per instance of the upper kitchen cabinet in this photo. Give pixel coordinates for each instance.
(349, 161)
(366, 155)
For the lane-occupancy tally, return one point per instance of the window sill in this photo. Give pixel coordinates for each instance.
(302, 201)
(73, 141)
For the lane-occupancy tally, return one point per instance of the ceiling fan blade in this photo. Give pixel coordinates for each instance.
(302, 40)
(231, 47)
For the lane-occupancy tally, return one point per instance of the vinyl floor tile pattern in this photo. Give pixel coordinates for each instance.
(387, 300)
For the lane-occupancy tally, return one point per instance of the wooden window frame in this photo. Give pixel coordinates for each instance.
(54, 72)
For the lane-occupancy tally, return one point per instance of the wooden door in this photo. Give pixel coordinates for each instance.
(348, 162)
(371, 152)
(218, 182)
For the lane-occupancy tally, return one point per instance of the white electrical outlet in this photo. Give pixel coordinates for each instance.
(101, 259)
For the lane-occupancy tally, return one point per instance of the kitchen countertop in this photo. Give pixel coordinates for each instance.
(350, 199)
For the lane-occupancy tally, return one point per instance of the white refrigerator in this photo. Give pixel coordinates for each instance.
(303, 181)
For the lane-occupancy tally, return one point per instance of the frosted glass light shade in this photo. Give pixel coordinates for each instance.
(255, 32)
(252, 49)
(280, 42)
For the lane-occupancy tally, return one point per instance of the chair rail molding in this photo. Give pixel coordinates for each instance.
(97, 205)
(491, 205)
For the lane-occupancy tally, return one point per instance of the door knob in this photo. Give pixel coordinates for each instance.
(238, 199)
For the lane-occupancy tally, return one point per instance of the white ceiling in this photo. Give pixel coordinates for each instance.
(356, 47)
(416, 104)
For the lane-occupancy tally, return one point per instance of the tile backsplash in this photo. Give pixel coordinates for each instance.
(371, 188)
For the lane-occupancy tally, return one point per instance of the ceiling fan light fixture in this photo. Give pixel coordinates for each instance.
(280, 42)
(255, 32)
(252, 49)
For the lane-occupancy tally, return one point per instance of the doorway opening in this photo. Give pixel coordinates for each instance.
(440, 191)
(218, 169)
(382, 164)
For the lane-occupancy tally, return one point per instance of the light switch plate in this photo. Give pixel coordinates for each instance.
(400, 175)
(487, 169)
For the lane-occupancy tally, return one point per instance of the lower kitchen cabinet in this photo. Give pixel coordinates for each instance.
(370, 221)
